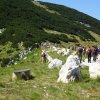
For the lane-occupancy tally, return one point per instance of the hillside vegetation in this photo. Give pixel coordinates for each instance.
(25, 20)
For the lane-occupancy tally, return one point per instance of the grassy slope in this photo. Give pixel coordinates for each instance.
(84, 43)
(44, 85)
(96, 36)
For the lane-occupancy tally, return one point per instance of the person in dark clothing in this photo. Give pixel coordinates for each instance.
(44, 56)
(89, 52)
(80, 53)
(84, 51)
(94, 53)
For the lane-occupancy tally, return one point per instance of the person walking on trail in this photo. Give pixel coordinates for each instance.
(44, 56)
(80, 53)
(89, 52)
(94, 53)
(84, 51)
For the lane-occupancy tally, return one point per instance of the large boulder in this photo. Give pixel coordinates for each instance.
(94, 70)
(55, 63)
(22, 74)
(94, 67)
(70, 71)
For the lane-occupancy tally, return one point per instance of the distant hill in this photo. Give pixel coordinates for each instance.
(34, 22)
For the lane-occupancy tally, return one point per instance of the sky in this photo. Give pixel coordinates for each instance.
(90, 7)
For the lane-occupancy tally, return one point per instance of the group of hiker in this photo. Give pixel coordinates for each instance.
(88, 52)
(81, 51)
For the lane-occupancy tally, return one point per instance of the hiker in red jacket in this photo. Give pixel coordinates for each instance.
(94, 53)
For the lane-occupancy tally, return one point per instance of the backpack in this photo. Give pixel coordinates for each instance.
(80, 50)
(44, 54)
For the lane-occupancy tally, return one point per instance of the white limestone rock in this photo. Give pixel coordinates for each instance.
(70, 71)
(55, 63)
